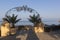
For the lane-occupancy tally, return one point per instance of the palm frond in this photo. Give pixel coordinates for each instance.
(35, 19)
(17, 20)
(12, 19)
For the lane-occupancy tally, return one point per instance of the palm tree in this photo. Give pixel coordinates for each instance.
(12, 19)
(35, 19)
(38, 25)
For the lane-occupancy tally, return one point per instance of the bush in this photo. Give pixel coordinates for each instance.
(47, 29)
(52, 28)
(21, 27)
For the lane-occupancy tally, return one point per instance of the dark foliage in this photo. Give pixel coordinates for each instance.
(11, 19)
(35, 19)
(51, 28)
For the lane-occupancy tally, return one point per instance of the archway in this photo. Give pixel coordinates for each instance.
(25, 8)
(20, 9)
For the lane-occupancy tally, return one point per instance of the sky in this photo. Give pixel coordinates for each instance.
(46, 8)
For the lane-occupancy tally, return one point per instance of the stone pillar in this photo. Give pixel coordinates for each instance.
(5, 30)
(39, 28)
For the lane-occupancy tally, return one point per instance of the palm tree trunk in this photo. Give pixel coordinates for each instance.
(13, 26)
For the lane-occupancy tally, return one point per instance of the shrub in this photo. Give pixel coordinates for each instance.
(47, 29)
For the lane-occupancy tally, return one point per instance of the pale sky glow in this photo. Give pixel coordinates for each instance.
(46, 8)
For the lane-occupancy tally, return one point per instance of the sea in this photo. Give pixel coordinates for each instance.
(45, 21)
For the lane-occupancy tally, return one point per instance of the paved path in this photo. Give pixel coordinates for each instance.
(46, 36)
(31, 35)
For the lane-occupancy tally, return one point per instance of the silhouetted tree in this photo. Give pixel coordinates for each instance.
(12, 19)
(35, 19)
